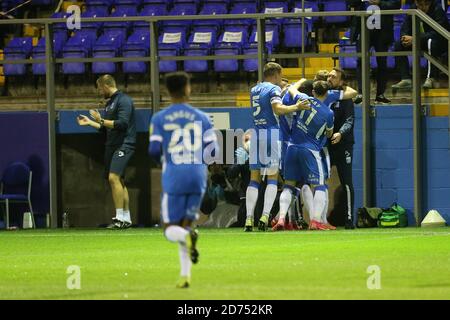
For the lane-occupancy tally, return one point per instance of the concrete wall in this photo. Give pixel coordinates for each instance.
(393, 160)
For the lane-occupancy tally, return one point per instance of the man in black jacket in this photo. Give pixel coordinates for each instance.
(341, 143)
(430, 41)
(380, 39)
(119, 124)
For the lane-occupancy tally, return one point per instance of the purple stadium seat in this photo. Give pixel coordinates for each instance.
(137, 45)
(39, 52)
(17, 48)
(242, 8)
(251, 65)
(60, 27)
(127, 3)
(272, 36)
(292, 29)
(78, 46)
(100, 5)
(107, 46)
(230, 42)
(199, 44)
(309, 6)
(275, 7)
(115, 28)
(150, 10)
(398, 18)
(93, 13)
(348, 62)
(334, 5)
(211, 9)
(181, 10)
(170, 44)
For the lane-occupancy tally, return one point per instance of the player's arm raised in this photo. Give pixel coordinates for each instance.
(349, 93)
(280, 109)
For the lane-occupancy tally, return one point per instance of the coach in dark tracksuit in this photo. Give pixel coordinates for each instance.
(379, 39)
(430, 41)
(119, 124)
(341, 143)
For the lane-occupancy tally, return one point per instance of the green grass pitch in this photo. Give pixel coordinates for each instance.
(142, 264)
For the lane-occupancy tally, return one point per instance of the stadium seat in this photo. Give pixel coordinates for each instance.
(170, 44)
(199, 44)
(230, 42)
(93, 26)
(272, 36)
(334, 5)
(275, 7)
(242, 8)
(137, 45)
(181, 10)
(59, 27)
(150, 10)
(292, 28)
(39, 52)
(107, 46)
(310, 6)
(115, 28)
(16, 188)
(211, 9)
(348, 62)
(17, 48)
(399, 18)
(127, 3)
(78, 46)
(100, 6)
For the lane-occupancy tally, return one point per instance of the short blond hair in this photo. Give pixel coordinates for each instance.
(271, 69)
(107, 80)
(321, 75)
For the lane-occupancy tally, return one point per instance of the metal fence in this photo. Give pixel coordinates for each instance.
(262, 56)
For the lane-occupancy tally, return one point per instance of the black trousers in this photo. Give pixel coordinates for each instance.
(434, 47)
(380, 45)
(342, 157)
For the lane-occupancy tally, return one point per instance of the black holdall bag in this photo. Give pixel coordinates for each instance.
(368, 217)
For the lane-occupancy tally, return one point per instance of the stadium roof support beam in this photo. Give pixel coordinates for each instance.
(154, 67)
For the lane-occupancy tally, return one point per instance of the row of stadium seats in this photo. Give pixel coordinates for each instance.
(173, 42)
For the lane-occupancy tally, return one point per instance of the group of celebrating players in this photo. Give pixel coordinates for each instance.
(300, 115)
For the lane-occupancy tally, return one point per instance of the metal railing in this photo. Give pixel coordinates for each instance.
(262, 57)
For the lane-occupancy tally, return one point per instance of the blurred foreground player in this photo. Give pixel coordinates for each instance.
(182, 135)
(120, 126)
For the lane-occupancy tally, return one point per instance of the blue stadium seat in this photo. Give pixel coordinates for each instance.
(199, 44)
(399, 18)
(242, 8)
(211, 9)
(230, 42)
(107, 46)
(17, 48)
(137, 45)
(127, 3)
(292, 29)
(272, 36)
(348, 62)
(170, 44)
(275, 7)
(39, 52)
(78, 46)
(115, 28)
(100, 5)
(334, 5)
(312, 6)
(93, 13)
(60, 27)
(150, 10)
(181, 10)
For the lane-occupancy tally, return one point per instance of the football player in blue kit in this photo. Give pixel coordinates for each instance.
(266, 105)
(304, 162)
(182, 135)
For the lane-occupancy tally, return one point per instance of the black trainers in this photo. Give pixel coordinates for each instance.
(191, 244)
(381, 99)
(115, 225)
(349, 225)
(358, 99)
